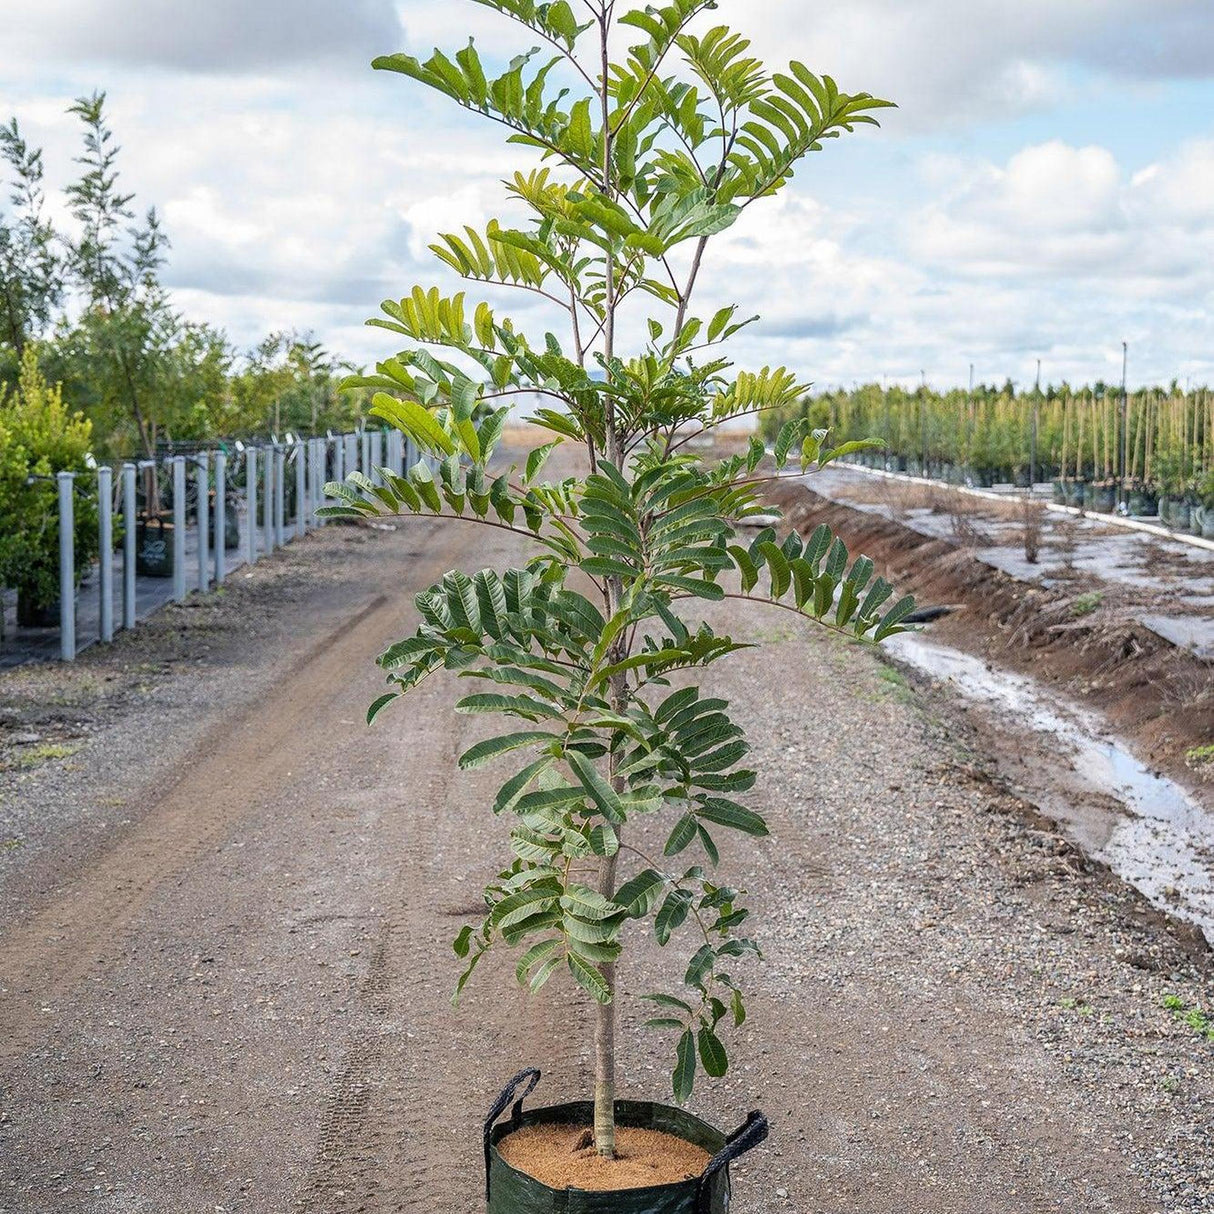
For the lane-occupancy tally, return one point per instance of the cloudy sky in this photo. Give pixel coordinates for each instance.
(1046, 189)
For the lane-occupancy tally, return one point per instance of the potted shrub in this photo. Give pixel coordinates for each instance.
(154, 555)
(42, 437)
(588, 647)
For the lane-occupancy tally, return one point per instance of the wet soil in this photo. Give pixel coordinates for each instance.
(1081, 634)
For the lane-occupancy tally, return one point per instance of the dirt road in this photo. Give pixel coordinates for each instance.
(235, 995)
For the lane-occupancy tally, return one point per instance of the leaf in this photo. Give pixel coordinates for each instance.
(536, 460)
(462, 944)
(672, 915)
(483, 752)
(739, 1009)
(415, 420)
(712, 1053)
(700, 966)
(513, 789)
(638, 895)
(589, 978)
(379, 704)
(684, 832)
(598, 789)
(684, 1076)
(588, 903)
(733, 815)
(668, 1001)
(891, 622)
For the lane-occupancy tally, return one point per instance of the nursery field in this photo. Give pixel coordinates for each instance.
(1148, 453)
(227, 906)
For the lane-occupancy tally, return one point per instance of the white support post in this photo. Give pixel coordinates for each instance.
(365, 453)
(301, 488)
(221, 516)
(128, 546)
(105, 543)
(202, 481)
(320, 448)
(250, 518)
(179, 592)
(267, 510)
(280, 495)
(67, 566)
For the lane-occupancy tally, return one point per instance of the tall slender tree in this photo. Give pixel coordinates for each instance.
(128, 326)
(31, 267)
(643, 163)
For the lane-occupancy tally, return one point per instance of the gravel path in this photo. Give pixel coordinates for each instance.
(225, 964)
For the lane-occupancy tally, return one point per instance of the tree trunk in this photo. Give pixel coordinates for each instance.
(604, 1038)
(605, 1013)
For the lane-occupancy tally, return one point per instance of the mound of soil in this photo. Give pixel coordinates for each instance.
(1153, 693)
(552, 1154)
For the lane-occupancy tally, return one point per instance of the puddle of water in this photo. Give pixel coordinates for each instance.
(1145, 827)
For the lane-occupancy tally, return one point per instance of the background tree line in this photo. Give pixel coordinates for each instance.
(96, 364)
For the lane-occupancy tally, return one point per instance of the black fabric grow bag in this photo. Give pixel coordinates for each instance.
(510, 1191)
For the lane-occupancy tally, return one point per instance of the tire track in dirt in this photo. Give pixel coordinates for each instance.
(388, 1141)
(234, 769)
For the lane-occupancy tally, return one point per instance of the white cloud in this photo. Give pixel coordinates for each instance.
(299, 189)
(224, 36)
(952, 62)
(1072, 214)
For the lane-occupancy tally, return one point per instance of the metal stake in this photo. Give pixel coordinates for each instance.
(128, 546)
(221, 516)
(280, 499)
(267, 510)
(105, 539)
(67, 566)
(178, 462)
(202, 479)
(301, 489)
(250, 504)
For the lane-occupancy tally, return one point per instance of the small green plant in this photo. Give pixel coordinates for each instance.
(587, 643)
(1085, 604)
(1202, 1023)
(1197, 756)
(39, 437)
(29, 757)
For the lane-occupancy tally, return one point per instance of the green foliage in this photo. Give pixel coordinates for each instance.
(1169, 434)
(1202, 1023)
(588, 648)
(40, 436)
(31, 274)
(142, 373)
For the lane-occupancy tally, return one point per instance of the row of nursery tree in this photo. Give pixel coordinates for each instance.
(1162, 444)
(96, 362)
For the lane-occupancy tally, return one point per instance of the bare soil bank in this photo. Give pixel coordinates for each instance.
(1157, 696)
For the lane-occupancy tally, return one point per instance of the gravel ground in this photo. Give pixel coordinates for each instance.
(225, 969)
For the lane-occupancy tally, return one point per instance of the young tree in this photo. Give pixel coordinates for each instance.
(127, 328)
(643, 164)
(31, 271)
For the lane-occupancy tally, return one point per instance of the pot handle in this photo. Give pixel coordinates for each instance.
(531, 1077)
(749, 1134)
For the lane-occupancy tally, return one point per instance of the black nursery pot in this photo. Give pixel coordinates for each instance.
(509, 1191)
(32, 614)
(154, 547)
